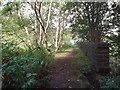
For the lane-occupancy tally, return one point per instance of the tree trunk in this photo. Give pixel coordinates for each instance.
(61, 35)
(47, 25)
(40, 37)
(29, 40)
(57, 36)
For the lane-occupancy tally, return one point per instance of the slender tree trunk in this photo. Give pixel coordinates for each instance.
(29, 40)
(57, 38)
(61, 35)
(36, 34)
(36, 6)
(54, 39)
(61, 41)
(40, 37)
(58, 32)
(49, 14)
(47, 25)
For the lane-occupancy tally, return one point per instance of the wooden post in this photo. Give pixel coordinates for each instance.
(98, 53)
(102, 58)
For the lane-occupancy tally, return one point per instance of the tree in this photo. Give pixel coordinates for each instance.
(114, 36)
(62, 19)
(88, 19)
(38, 26)
(36, 6)
(12, 24)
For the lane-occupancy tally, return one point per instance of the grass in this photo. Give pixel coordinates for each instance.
(81, 65)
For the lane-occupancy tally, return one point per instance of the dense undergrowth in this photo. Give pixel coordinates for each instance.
(25, 68)
(110, 82)
(82, 66)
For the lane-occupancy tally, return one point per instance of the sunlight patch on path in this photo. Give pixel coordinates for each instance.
(64, 53)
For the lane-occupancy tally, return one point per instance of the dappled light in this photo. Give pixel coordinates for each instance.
(59, 44)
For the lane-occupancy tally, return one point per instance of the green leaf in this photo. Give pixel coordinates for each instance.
(31, 74)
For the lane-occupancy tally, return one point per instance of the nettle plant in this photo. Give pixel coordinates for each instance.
(25, 69)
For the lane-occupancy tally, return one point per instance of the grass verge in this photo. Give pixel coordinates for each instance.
(81, 65)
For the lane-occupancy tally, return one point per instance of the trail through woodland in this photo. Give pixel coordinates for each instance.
(63, 74)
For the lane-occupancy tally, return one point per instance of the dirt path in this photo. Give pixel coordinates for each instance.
(63, 73)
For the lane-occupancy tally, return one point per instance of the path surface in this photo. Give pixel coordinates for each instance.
(63, 73)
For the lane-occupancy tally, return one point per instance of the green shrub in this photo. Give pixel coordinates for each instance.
(67, 45)
(81, 63)
(9, 50)
(27, 68)
(110, 82)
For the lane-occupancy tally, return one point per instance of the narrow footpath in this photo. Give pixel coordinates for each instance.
(63, 74)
